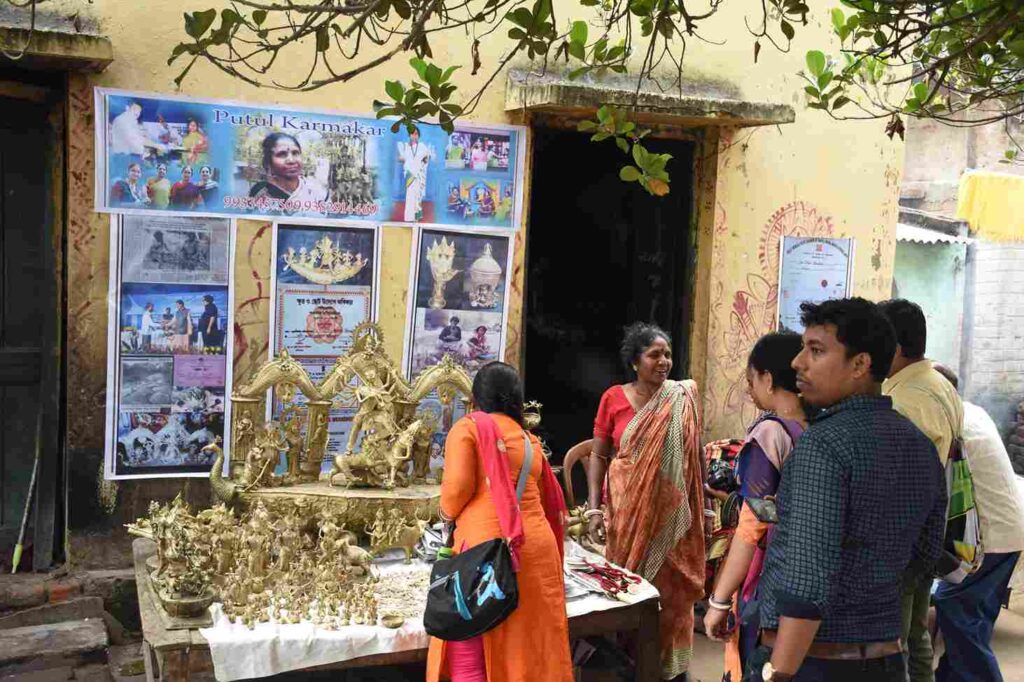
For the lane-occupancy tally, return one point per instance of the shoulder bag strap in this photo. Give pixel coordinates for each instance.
(524, 473)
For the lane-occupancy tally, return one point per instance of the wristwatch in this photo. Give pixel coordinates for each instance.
(769, 674)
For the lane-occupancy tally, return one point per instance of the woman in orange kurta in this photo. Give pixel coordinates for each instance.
(532, 644)
(646, 436)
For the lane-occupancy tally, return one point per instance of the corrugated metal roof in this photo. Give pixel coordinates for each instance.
(921, 235)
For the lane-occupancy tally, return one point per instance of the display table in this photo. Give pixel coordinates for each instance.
(185, 653)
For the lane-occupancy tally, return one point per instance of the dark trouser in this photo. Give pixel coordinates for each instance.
(888, 669)
(917, 594)
(966, 614)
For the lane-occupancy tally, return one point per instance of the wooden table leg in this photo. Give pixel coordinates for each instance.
(174, 666)
(147, 661)
(648, 644)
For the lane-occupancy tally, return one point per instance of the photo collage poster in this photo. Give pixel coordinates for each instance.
(324, 287)
(175, 155)
(459, 303)
(168, 381)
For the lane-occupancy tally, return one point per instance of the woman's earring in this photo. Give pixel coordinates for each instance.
(634, 368)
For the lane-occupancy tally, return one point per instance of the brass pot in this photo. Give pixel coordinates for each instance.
(186, 606)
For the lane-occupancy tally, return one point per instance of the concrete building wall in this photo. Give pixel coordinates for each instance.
(932, 275)
(936, 155)
(993, 356)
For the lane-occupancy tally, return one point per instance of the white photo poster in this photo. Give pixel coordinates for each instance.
(169, 344)
(812, 269)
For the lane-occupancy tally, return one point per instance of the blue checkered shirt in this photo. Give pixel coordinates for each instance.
(862, 496)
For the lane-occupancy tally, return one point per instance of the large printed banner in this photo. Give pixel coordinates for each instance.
(324, 286)
(158, 153)
(168, 382)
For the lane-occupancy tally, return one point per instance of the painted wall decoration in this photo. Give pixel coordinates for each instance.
(740, 316)
(325, 284)
(168, 344)
(168, 154)
(811, 269)
(459, 301)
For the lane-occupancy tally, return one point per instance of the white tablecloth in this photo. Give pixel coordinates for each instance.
(272, 648)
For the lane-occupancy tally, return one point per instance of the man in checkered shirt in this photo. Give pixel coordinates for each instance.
(862, 501)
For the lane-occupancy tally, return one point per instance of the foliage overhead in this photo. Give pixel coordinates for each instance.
(957, 61)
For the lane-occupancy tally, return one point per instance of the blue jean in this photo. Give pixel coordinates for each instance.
(966, 614)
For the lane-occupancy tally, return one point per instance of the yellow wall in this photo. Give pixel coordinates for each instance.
(816, 176)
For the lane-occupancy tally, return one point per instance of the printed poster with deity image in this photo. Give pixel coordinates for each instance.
(173, 154)
(324, 286)
(168, 344)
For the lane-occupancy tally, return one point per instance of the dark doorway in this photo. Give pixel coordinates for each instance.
(601, 254)
(31, 192)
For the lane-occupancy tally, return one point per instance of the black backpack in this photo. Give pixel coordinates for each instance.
(475, 590)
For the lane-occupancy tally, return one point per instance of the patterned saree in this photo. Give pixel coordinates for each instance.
(656, 512)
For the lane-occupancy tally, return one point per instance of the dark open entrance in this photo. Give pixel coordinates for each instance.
(601, 254)
(31, 200)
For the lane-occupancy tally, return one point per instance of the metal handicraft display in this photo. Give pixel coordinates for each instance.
(383, 465)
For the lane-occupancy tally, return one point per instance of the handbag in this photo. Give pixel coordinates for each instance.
(475, 590)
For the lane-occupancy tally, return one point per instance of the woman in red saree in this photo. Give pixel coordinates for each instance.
(647, 438)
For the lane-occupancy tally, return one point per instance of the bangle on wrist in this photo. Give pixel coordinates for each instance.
(593, 512)
(719, 605)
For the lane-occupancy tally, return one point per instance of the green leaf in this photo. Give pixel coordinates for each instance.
(576, 73)
(259, 16)
(840, 101)
(517, 34)
(812, 91)
(921, 92)
(323, 38)
(622, 144)
(395, 90)
(838, 19)
(448, 72)
(586, 126)
(198, 23)
(640, 155)
(604, 114)
(541, 10)
(178, 50)
(816, 62)
(577, 50)
(757, 50)
(419, 66)
(787, 29)
(521, 17)
(578, 32)
(630, 174)
(402, 8)
(184, 72)
(824, 79)
(600, 137)
(880, 38)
